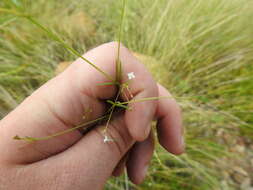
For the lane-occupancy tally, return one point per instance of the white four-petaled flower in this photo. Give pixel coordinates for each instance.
(107, 139)
(131, 75)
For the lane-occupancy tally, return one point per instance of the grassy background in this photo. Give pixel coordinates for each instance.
(202, 51)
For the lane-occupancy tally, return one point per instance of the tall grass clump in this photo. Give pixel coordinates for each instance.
(202, 51)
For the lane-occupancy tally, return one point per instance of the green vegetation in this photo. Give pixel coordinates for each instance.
(202, 51)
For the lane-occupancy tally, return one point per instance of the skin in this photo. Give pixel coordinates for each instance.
(75, 161)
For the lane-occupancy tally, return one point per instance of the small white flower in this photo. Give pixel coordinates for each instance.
(107, 139)
(131, 75)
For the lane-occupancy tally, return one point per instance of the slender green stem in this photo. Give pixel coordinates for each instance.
(112, 110)
(109, 119)
(145, 99)
(62, 132)
(58, 39)
(117, 104)
(118, 62)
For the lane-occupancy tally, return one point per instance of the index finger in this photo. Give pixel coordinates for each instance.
(141, 85)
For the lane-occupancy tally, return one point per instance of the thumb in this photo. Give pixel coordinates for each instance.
(58, 105)
(91, 161)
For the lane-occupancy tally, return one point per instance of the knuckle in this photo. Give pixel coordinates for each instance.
(121, 140)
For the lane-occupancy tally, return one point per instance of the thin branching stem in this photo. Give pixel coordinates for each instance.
(112, 110)
(73, 51)
(62, 132)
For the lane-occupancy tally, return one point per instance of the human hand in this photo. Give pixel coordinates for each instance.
(74, 161)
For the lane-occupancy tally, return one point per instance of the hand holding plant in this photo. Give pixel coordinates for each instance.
(80, 95)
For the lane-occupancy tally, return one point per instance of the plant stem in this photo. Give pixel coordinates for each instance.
(62, 132)
(144, 99)
(118, 62)
(112, 110)
(58, 39)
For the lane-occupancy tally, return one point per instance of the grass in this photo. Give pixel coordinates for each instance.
(200, 50)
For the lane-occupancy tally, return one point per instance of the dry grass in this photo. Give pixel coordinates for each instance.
(201, 51)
